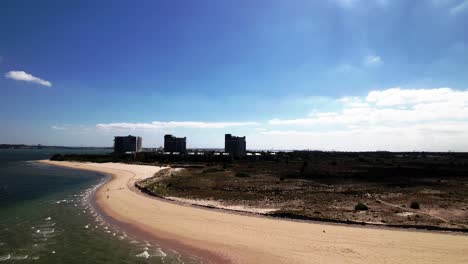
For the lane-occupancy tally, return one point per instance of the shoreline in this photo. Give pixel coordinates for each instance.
(131, 229)
(222, 237)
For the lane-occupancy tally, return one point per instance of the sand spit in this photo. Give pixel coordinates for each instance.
(233, 238)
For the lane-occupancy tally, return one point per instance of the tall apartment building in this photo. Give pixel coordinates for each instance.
(175, 144)
(127, 144)
(236, 146)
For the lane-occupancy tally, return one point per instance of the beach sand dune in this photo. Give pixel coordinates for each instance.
(234, 238)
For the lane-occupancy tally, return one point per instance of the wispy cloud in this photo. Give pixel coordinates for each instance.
(172, 124)
(59, 128)
(346, 3)
(345, 68)
(373, 60)
(352, 3)
(459, 8)
(24, 76)
(72, 129)
(358, 67)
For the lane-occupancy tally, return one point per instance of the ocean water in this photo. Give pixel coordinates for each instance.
(46, 217)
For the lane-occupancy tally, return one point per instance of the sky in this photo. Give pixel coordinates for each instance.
(345, 75)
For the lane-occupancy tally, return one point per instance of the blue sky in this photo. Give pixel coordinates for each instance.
(336, 74)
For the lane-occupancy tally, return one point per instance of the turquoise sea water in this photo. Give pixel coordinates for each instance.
(46, 217)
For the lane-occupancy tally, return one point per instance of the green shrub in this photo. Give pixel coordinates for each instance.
(242, 174)
(415, 205)
(361, 207)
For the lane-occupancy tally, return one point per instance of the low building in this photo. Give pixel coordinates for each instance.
(127, 144)
(235, 146)
(175, 144)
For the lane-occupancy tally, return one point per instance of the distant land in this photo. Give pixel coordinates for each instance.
(23, 146)
(155, 149)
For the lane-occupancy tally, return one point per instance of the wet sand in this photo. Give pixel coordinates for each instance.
(234, 238)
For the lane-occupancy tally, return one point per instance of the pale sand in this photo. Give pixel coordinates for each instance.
(220, 205)
(249, 239)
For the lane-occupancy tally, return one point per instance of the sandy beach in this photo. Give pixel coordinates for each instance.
(221, 237)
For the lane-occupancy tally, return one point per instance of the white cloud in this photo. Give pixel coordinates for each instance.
(459, 8)
(392, 106)
(24, 76)
(171, 124)
(393, 115)
(373, 60)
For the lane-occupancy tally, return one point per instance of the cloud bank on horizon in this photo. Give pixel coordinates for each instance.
(390, 119)
(26, 77)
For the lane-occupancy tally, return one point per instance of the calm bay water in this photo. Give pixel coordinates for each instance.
(45, 217)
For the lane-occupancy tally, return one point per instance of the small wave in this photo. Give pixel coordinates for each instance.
(19, 257)
(44, 233)
(143, 254)
(159, 253)
(48, 218)
(148, 253)
(49, 224)
(6, 257)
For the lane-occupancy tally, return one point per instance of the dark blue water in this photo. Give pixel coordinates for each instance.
(46, 217)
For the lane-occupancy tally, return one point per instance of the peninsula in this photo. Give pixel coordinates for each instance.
(222, 237)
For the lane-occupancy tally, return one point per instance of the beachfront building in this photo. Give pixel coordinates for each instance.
(175, 144)
(127, 144)
(235, 146)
